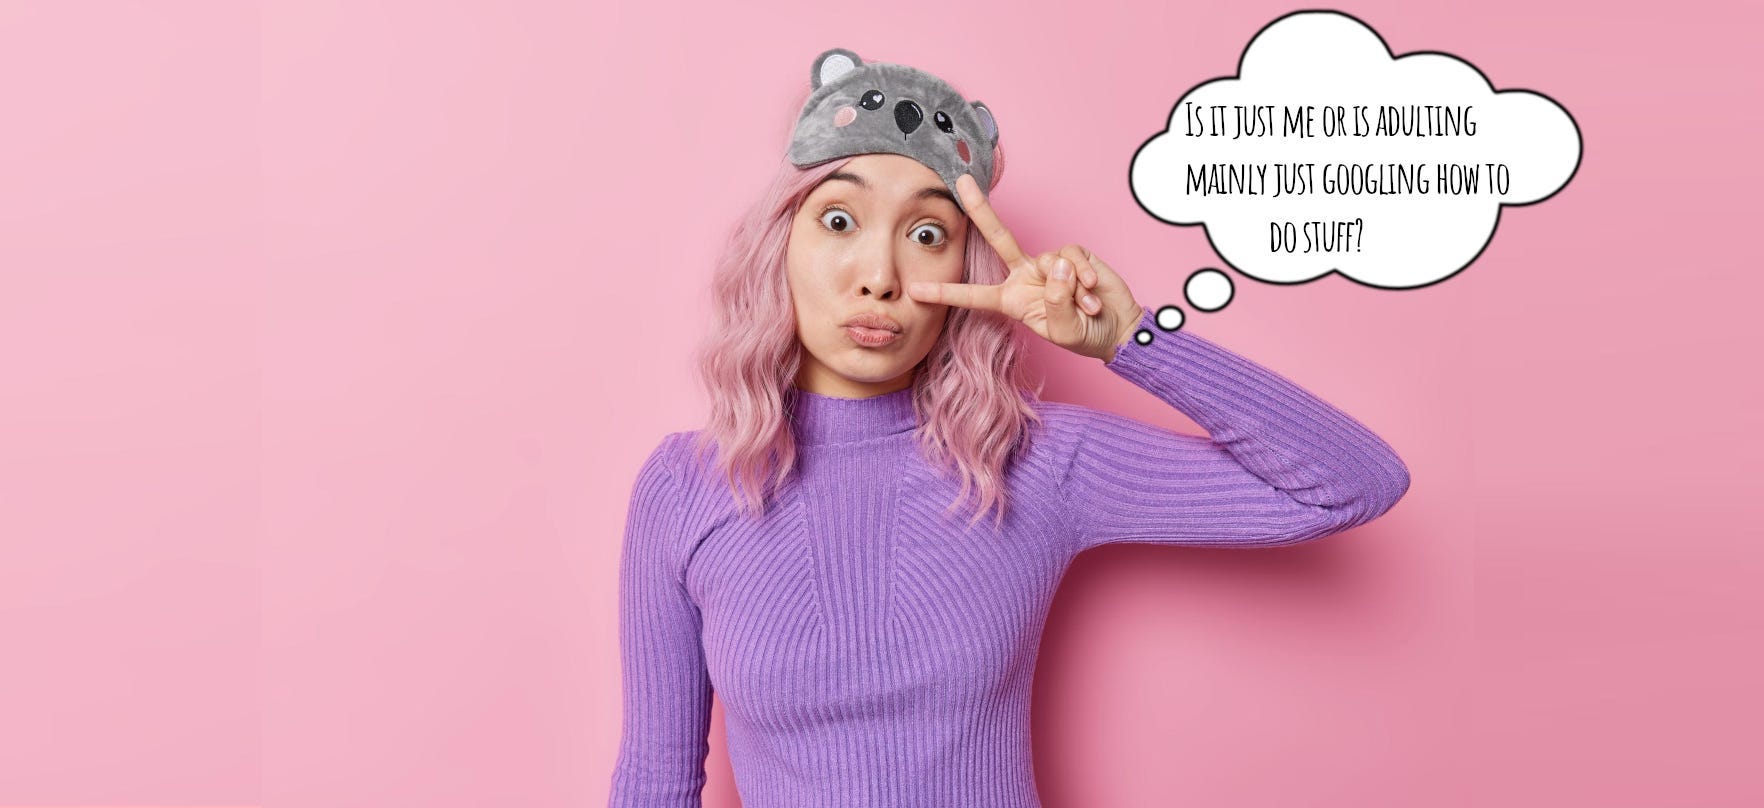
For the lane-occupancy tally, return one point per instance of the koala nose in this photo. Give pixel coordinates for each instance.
(908, 116)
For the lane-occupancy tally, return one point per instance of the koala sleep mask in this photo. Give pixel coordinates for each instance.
(860, 107)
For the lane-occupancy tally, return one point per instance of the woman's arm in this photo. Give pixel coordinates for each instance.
(667, 689)
(1281, 466)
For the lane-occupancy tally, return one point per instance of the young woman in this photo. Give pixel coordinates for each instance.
(806, 555)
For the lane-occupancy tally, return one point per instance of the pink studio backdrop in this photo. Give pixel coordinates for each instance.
(334, 333)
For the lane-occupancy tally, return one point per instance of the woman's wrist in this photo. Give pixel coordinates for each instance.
(1121, 340)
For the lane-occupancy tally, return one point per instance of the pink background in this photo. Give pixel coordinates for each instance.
(333, 333)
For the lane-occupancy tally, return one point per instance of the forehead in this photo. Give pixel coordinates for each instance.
(888, 175)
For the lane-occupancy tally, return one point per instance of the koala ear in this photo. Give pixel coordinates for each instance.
(987, 122)
(831, 65)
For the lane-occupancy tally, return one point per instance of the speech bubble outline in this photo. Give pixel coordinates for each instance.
(1390, 63)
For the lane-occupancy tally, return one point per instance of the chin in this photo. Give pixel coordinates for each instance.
(867, 375)
(870, 369)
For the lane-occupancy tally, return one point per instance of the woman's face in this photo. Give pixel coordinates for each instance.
(862, 235)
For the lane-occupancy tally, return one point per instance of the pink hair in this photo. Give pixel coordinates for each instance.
(970, 391)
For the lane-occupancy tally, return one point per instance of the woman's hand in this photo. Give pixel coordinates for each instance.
(1090, 311)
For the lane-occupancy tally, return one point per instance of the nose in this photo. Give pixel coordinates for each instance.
(879, 278)
(883, 284)
(908, 116)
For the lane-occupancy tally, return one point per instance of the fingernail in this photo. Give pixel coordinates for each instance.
(1062, 269)
(1090, 302)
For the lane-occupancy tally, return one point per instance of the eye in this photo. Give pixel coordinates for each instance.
(936, 231)
(871, 100)
(836, 220)
(943, 122)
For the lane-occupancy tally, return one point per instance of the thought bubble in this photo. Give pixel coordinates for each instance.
(1326, 154)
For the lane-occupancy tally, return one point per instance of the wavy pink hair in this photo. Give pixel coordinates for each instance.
(970, 393)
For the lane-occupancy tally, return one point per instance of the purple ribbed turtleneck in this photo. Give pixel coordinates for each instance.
(870, 649)
(829, 419)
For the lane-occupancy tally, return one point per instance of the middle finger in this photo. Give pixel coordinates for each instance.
(986, 221)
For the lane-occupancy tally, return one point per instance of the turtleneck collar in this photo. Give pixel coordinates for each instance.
(830, 419)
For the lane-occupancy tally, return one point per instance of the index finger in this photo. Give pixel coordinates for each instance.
(967, 295)
(986, 221)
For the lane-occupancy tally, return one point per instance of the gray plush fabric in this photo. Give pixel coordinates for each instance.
(860, 107)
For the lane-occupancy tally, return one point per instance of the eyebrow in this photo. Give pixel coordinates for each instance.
(934, 192)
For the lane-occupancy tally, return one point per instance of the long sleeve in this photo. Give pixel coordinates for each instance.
(1281, 465)
(666, 686)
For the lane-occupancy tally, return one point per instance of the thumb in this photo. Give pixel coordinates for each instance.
(1063, 326)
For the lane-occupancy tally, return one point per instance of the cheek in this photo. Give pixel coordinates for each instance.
(955, 262)
(928, 332)
(799, 269)
(946, 264)
(809, 296)
(958, 252)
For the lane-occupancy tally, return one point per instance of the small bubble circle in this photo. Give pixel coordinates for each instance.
(1208, 290)
(1169, 318)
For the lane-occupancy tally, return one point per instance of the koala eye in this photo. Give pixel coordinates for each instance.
(871, 100)
(938, 238)
(943, 122)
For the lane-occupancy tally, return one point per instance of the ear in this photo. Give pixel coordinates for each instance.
(987, 122)
(831, 65)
